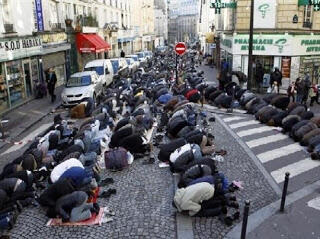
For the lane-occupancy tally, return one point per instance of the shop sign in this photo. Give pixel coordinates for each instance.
(306, 45)
(20, 48)
(314, 3)
(54, 38)
(265, 14)
(39, 15)
(218, 4)
(263, 44)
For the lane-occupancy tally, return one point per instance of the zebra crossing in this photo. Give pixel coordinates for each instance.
(277, 152)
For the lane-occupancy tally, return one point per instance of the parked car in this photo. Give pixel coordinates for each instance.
(161, 49)
(135, 58)
(103, 68)
(80, 86)
(148, 54)
(142, 57)
(120, 66)
(133, 66)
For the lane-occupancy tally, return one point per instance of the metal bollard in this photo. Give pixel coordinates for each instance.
(245, 219)
(284, 191)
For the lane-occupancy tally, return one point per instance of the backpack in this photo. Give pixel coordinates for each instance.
(116, 159)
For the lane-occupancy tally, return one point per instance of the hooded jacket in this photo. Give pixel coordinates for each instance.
(194, 172)
(190, 198)
(63, 167)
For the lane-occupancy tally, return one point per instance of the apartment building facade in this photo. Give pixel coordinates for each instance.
(161, 22)
(286, 36)
(36, 35)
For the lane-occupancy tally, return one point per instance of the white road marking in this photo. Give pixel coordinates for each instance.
(294, 169)
(258, 130)
(279, 152)
(229, 119)
(242, 124)
(266, 140)
(31, 136)
(314, 203)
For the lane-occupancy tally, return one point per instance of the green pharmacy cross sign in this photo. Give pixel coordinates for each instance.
(314, 3)
(217, 5)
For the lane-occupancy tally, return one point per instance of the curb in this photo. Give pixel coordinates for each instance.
(253, 157)
(258, 217)
(184, 223)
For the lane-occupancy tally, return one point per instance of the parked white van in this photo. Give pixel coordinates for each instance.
(104, 69)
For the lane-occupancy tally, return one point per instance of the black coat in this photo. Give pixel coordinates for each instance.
(55, 191)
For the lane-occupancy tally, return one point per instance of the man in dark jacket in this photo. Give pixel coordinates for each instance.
(259, 75)
(276, 77)
(51, 83)
(122, 54)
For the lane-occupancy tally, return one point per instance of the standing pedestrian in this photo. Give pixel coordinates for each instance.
(276, 79)
(306, 87)
(291, 90)
(299, 89)
(200, 58)
(259, 75)
(122, 54)
(313, 94)
(51, 83)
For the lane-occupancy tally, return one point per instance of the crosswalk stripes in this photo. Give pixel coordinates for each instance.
(279, 152)
(253, 131)
(234, 118)
(242, 124)
(266, 140)
(275, 150)
(295, 169)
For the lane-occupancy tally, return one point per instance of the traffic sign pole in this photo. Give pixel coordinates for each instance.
(180, 49)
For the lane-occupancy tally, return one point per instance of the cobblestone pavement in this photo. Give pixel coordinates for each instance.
(142, 205)
(237, 166)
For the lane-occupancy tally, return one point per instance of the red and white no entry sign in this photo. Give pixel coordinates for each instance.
(180, 48)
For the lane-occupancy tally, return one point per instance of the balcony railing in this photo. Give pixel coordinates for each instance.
(307, 24)
(88, 21)
(8, 28)
(56, 26)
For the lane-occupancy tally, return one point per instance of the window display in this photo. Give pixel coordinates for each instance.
(15, 81)
(4, 101)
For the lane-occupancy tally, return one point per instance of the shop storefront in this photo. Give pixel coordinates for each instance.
(54, 55)
(294, 55)
(90, 45)
(19, 70)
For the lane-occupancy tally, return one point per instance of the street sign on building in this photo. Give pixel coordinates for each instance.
(218, 4)
(180, 48)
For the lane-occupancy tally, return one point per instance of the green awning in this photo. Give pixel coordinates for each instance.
(303, 2)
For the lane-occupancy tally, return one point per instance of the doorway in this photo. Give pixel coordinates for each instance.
(27, 78)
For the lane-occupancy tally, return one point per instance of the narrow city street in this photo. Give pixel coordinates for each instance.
(182, 119)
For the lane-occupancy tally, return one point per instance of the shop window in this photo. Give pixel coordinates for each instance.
(4, 101)
(307, 16)
(15, 82)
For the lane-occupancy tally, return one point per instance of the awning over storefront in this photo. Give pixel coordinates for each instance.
(210, 37)
(91, 43)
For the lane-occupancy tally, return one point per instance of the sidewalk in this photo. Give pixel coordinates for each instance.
(26, 115)
(300, 220)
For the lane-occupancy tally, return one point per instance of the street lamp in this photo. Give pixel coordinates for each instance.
(250, 61)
